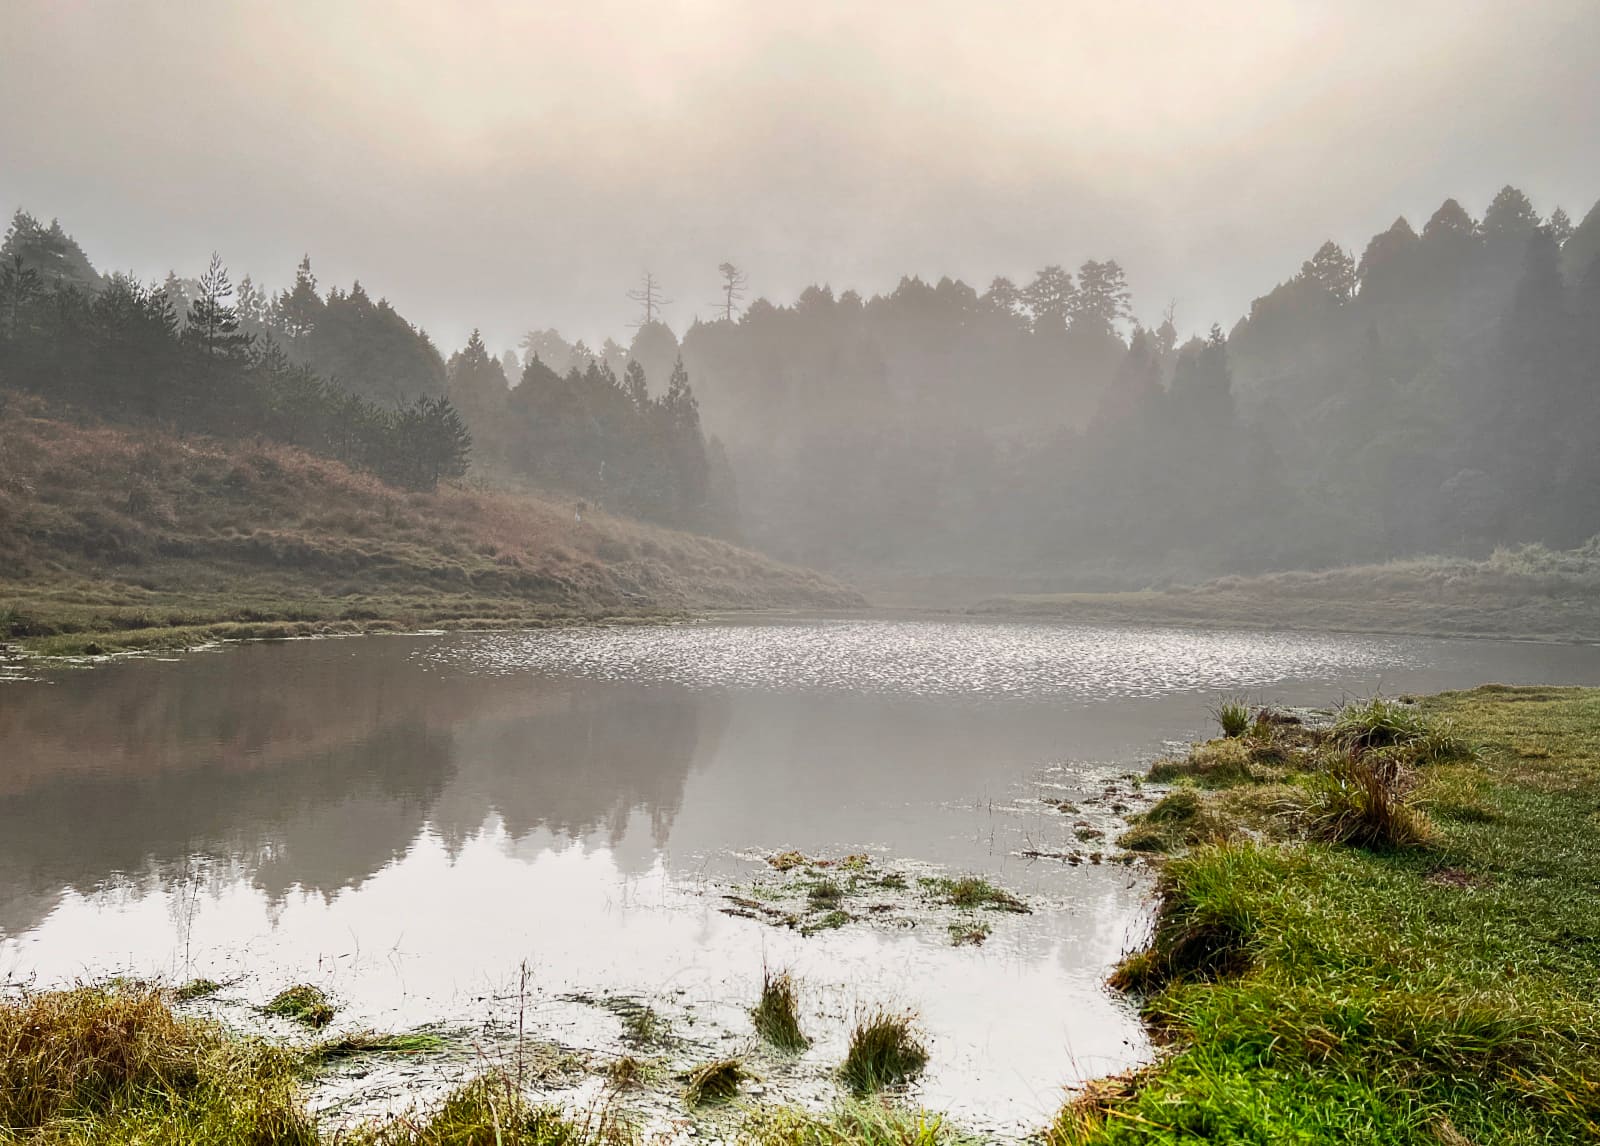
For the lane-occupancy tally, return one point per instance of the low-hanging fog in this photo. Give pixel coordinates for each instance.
(1057, 294)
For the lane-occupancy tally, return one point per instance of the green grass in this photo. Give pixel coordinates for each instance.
(303, 1003)
(1317, 992)
(1232, 716)
(777, 1015)
(491, 1111)
(360, 1043)
(972, 892)
(196, 989)
(886, 1050)
(852, 1124)
(115, 1065)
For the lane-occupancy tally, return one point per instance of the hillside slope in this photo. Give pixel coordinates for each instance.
(145, 535)
(1529, 591)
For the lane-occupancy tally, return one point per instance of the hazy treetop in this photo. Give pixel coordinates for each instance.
(506, 165)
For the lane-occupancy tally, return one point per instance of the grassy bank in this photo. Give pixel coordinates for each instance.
(118, 538)
(1527, 592)
(1382, 932)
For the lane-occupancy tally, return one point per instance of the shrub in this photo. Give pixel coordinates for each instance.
(885, 1050)
(777, 1015)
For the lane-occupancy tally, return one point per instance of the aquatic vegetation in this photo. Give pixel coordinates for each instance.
(642, 1025)
(824, 895)
(627, 1072)
(196, 989)
(716, 1081)
(969, 934)
(860, 1123)
(491, 1111)
(885, 1050)
(114, 1064)
(303, 1003)
(970, 891)
(777, 1015)
(359, 1043)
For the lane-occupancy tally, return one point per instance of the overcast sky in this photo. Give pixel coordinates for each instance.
(508, 165)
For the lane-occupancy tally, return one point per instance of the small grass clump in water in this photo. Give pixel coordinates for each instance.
(714, 1081)
(971, 891)
(1232, 716)
(114, 1064)
(304, 1004)
(196, 989)
(642, 1026)
(885, 1050)
(969, 934)
(777, 1015)
(824, 895)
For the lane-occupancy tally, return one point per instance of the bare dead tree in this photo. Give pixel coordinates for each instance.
(650, 299)
(733, 284)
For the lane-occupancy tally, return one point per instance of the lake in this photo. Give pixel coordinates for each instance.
(411, 821)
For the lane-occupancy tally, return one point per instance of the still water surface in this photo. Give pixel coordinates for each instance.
(406, 820)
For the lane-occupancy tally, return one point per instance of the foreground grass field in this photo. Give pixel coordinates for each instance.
(1436, 984)
(1526, 592)
(117, 538)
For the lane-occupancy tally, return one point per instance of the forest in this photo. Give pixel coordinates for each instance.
(1439, 393)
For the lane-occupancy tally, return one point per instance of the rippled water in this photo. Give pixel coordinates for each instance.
(408, 820)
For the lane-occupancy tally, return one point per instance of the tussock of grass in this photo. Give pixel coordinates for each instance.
(115, 1064)
(1362, 803)
(969, 934)
(885, 1050)
(714, 1081)
(1385, 724)
(491, 1111)
(303, 1003)
(777, 1015)
(852, 1124)
(970, 891)
(1232, 716)
(824, 895)
(627, 1072)
(642, 1025)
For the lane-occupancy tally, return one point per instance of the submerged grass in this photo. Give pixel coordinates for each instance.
(972, 892)
(886, 1050)
(777, 1015)
(491, 1111)
(1394, 992)
(851, 1124)
(358, 1043)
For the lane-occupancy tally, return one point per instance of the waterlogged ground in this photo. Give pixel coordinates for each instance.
(477, 833)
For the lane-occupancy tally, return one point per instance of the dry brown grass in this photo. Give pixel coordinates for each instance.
(289, 536)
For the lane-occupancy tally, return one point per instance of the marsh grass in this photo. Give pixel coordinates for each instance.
(886, 1050)
(1362, 802)
(1311, 991)
(973, 892)
(1232, 716)
(491, 1111)
(196, 989)
(777, 1015)
(860, 1123)
(114, 1064)
(302, 1003)
(716, 1081)
(969, 933)
(358, 1043)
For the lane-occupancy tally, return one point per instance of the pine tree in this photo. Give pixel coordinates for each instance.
(297, 312)
(213, 323)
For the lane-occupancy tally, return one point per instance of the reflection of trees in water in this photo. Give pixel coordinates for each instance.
(315, 765)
